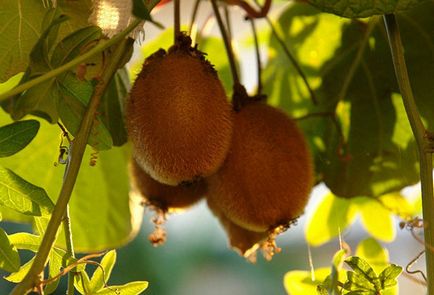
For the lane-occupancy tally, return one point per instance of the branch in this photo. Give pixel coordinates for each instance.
(423, 141)
(32, 279)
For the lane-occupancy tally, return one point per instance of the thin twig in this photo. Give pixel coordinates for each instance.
(258, 56)
(193, 16)
(252, 12)
(176, 19)
(228, 45)
(412, 262)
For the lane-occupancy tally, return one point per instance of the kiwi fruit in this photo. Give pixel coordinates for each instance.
(267, 176)
(243, 241)
(162, 196)
(177, 116)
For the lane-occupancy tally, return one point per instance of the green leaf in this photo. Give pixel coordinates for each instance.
(140, 9)
(102, 273)
(39, 60)
(368, 148)
(302, 282)
(55, 264)
(11, 83)
(373, 253)
(76, 95)
(359, 283)
(21, 27)
(22, 196)
(364, 8)
(376, 219)
(111, 109)
(331, 216)
(70, 46)
(25, 241)
(16, 136)
(361, 271)
(133, 288)
(82, 282)
(9, 258)
(389, 276)
(41, 99)
(338, 260)
(99, 192)
(19, 275)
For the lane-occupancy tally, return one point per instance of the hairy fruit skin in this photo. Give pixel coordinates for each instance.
(178, 118)
(164, 196)
(243, 241)
(267, 177)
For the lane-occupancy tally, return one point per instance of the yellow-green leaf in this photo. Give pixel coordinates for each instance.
(133, 288)
(331, 216)
(298, 282)
(9, 258)
(376, 219)
(102, 273)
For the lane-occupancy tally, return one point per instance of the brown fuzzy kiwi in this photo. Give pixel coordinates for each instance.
(243, 241)
(178, 117)
(267, 177)
(162, 196)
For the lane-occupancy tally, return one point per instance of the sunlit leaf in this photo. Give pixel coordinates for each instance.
(112, 107)
(102, 273)
(82, 282)
(373, 253)
(19, 275)
(11, 83)
(377, 220)
(367, 149)
(21, 28)
(16, 136)
(9, 258)
(71, 45)
(299, 282)
(331, 216)
(361, 274)
(364, 8)
(55, 264)
(25, 241)
(76, 95)
(132, 288)
(389, 276)
(101, 191)
(22, 196)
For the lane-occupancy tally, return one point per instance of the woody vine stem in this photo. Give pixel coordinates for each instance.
(424, 140)
(78, 146)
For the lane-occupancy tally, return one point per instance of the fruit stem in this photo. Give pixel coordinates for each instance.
(228, 23)
(193, 16)
(423, 140)
(230, 53)
(176, 19)
(78, 146)
(258, 56)
(292, 60)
